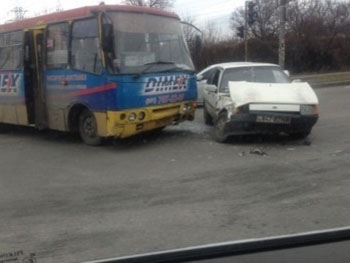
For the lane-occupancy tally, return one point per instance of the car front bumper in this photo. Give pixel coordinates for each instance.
(269, 123)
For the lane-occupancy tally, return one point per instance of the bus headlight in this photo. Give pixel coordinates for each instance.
(132, 116)
(122, 116)
(188, 106)
(141, 116)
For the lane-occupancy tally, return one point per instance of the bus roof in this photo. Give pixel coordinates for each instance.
(79, 13)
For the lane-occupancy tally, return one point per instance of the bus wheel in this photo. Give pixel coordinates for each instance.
(88, 128)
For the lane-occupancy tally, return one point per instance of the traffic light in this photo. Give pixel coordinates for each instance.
(252, 13)
(240, 31)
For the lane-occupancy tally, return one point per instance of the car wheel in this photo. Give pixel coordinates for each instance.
(88, 129)
(208, 120)
(219, 129)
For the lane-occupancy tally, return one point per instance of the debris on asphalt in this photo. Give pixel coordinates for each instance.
(258, 151)
(241, 154)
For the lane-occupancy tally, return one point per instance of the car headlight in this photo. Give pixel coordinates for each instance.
(242, 109)
(308, 110)
(230, 107)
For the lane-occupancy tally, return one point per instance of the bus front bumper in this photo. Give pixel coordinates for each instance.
(123, 124)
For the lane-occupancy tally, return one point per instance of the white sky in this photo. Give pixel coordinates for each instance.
(217, 12)
(202, 11)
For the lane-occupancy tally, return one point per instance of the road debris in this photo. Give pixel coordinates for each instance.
(241, 154)
(258, 151)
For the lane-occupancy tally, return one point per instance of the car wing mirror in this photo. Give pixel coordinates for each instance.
(211, 88)
(199, 77)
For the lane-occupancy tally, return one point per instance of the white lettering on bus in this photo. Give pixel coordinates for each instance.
(163, 99)
(165, 84)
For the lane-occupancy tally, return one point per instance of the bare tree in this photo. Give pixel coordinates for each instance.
(317, 31)
(161, 4)
(211, 33)
(266, 26)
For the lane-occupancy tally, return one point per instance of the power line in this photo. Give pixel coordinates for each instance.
(19, 12)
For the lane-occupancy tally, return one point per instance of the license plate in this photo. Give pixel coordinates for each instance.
(273, 119)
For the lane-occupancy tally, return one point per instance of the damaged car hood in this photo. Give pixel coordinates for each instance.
(243, 92)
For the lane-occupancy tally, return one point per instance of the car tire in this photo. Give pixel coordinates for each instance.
(208, 120)
(219, 128)
(88, 128)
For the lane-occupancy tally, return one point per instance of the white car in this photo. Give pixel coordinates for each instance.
(244, 98)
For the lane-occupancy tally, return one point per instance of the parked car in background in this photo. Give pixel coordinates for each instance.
(245, 98)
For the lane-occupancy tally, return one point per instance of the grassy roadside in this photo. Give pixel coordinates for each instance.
(327, 79)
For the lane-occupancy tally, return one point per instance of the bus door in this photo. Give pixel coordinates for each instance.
(34, 78)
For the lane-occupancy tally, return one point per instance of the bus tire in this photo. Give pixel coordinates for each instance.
(88, 128)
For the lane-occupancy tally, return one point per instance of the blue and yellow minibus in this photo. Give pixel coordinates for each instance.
(103, 71)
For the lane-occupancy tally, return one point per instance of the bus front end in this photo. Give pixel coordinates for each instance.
(151, 104)
(147, 59)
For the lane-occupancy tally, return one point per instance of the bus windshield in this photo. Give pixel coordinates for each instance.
(148, 43)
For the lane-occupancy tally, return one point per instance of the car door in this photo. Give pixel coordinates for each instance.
(211, 93)
(202, 79)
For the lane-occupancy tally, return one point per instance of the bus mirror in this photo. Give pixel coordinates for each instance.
(107, 38)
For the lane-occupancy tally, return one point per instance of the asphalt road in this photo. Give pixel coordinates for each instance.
(63, 201)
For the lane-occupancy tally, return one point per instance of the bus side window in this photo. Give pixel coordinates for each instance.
(85, 46)
(10, 50)
(57, 45)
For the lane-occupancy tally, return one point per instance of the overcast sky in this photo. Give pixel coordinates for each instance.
(202, 11)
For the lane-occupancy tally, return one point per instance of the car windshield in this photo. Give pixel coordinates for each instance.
(262, 74)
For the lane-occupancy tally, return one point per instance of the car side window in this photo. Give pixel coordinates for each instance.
(214, 77)
(206, 75)
(226, 77)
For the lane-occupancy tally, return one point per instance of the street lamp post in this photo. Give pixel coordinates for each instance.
(246, 31)
(282, 32)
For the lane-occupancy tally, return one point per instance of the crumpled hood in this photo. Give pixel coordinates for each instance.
(243, 92)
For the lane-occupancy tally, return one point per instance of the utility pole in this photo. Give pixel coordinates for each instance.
(246, 31)
(282, 41)
(250, 17)
(19, 13)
